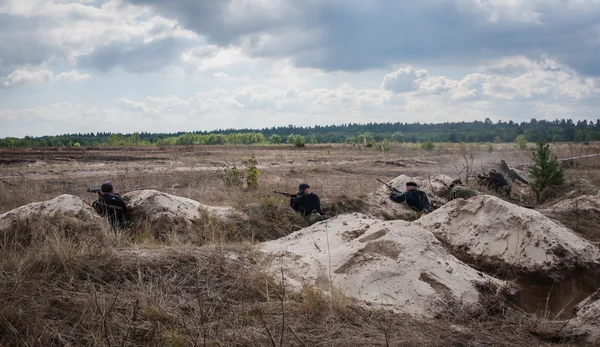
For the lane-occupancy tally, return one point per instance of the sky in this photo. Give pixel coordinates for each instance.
(181, 65)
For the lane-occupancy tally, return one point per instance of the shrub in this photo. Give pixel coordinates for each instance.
(296, 140)
(230, 175)
(521, 142)
(252, 173)
(428, 145)
(275, 139)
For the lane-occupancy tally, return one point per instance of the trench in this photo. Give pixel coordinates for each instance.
(551, 295)
(556, 299)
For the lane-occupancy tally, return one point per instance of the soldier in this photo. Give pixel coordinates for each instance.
(111, 205)
(308, 204)
(497, 182)
(459, 190)
(415, 198)
(512, 174)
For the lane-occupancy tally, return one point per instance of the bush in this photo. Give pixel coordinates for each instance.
(230, 175)
(521, 142)
(545, 170)
(428, 145)
(275, 139)
(296, 140)
(252, 173)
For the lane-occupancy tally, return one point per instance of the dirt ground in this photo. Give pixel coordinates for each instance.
(341, 175)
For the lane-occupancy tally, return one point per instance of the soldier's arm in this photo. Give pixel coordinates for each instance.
(294, 203)
(318, 204)
(400, 197)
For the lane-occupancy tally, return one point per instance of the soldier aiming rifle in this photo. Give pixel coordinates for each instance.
(414, 198)
(307, 203)
(110, 205)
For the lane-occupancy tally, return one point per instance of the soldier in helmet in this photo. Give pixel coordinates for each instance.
(497, 182)
(308, 204)
(111, 205)
(415, 198)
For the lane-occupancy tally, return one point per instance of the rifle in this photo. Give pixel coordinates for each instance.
(286, 194)
(391, 188)
(97, 190)
(480, 176)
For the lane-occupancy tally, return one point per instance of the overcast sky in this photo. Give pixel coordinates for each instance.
(179, 65)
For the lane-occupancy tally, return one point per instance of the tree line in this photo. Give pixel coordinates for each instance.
(559, 130)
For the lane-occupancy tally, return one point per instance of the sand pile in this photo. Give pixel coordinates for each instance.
(393, 264)
(587, 319)
(493, 230)
(71, 207)
(589, 204)
(165, 208)
(580, 214)
(379, 204)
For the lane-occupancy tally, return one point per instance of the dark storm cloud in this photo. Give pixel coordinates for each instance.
(357, 35)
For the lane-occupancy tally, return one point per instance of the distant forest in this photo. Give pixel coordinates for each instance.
(535, 130)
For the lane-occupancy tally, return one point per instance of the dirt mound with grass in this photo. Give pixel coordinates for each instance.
(163, 208)
(378, 203)
(581, 214)
(491, 230)
(388, 264)
(68, 207)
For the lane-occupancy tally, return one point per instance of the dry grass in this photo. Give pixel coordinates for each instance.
(63, 284)
(62, 292)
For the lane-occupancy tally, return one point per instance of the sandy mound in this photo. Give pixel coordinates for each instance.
(379, 204)
(167, 208)
(580, 214)
(587, 319)
(390, 263)
(488, 227)
(68, 206)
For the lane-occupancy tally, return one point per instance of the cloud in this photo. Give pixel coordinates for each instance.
(41, 75)
(544, 89)
(356, 35)
(88, 35)
(513, 79)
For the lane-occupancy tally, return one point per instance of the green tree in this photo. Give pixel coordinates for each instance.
(275, 139)
(578, 137)
(398, 136)
(521, 142)
(545, 170)
(296, 140)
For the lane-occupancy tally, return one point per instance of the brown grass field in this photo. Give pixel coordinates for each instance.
(64, 285)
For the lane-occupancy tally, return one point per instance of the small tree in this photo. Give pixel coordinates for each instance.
(545, 170)
(275, 139)
(521, 142)
(252, 173)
